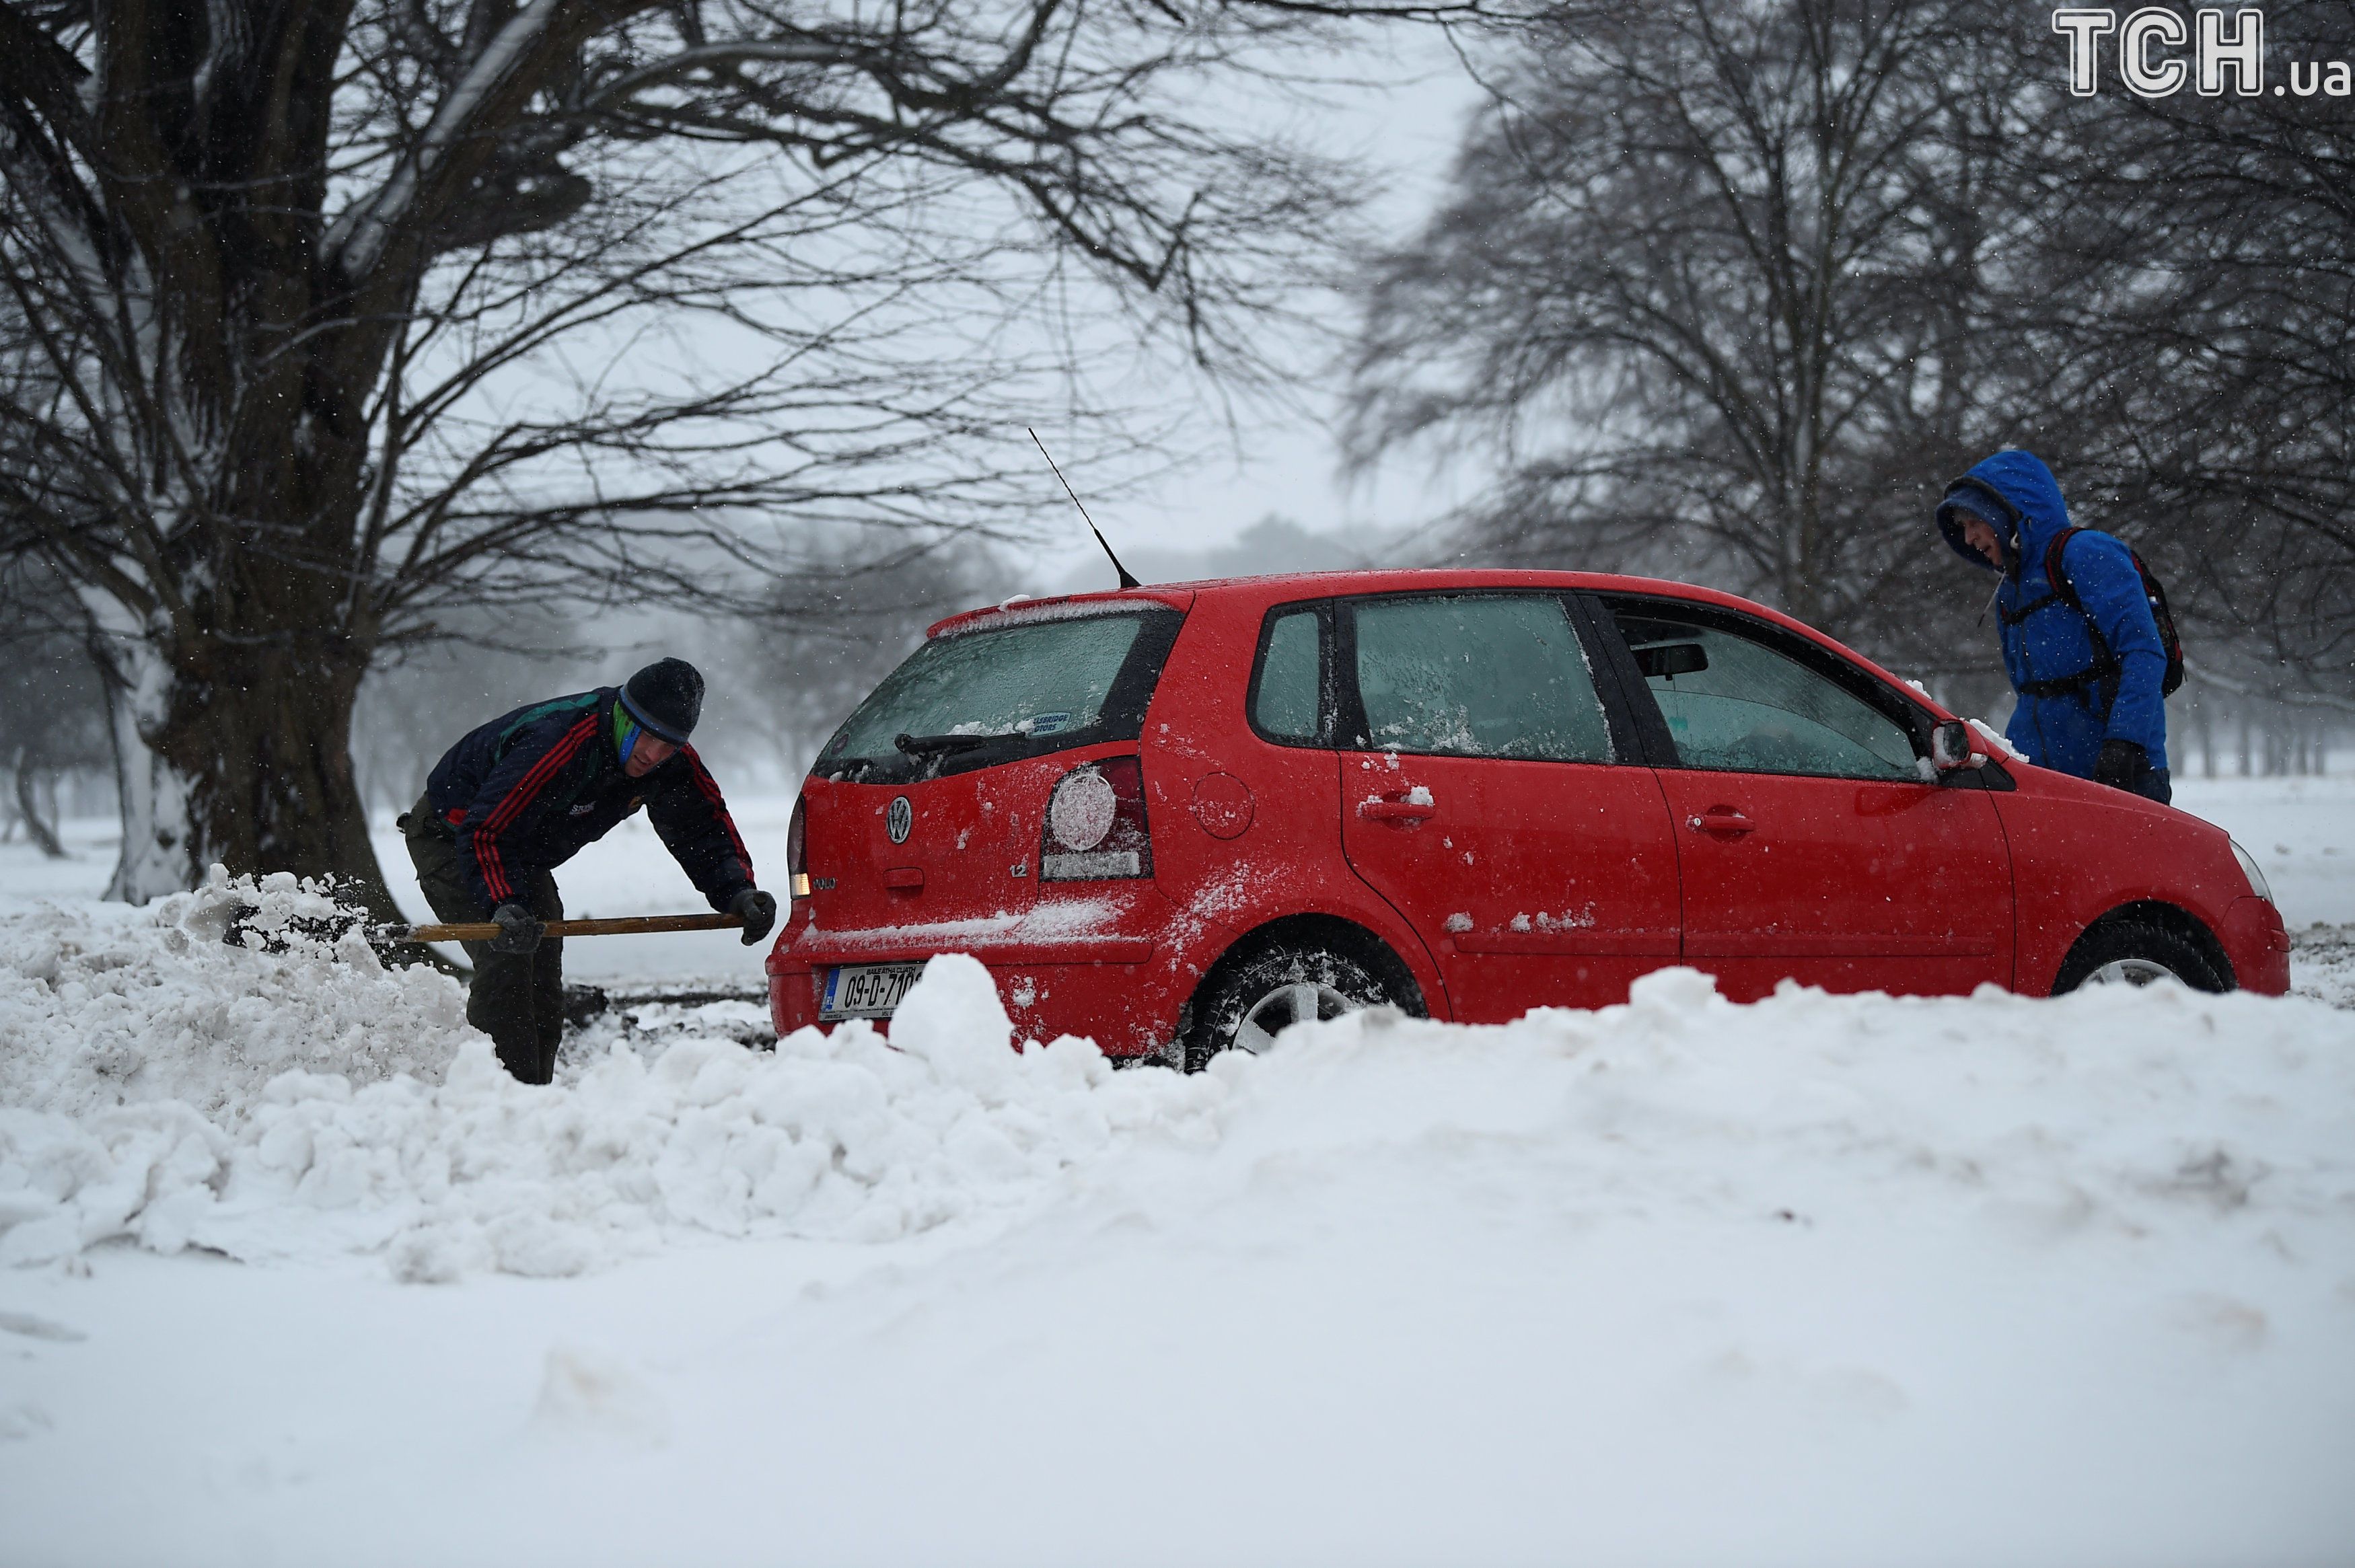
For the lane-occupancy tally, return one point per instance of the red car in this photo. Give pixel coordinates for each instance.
(1178, 818)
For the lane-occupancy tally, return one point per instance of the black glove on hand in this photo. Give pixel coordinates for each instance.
(2121, 765)
(519, 929)
(757, 909)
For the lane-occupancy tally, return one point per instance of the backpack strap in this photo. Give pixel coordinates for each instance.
(2104, 671)
(2058, 586)
(2056, 568)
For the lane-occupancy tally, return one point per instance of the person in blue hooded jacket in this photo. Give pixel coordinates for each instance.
(2100, 716)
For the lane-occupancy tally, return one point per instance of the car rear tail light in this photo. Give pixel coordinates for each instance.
(1095, 824)
(797, 853)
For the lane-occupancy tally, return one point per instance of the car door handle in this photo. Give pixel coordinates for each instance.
(1722, 820)
(1406, 814)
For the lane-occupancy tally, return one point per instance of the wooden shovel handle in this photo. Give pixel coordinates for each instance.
(629, 925)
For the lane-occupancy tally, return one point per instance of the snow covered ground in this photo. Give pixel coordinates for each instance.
(2302, 831)
(299, 1277)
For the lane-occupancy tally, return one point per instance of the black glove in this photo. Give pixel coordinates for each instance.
(757, 909)
(519, 929)
(2121, 765)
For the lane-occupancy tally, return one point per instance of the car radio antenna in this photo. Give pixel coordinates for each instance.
(1127, 577)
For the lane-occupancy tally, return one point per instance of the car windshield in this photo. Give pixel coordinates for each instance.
(1031, 685)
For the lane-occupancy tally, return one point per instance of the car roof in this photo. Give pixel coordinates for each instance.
(1279, 587)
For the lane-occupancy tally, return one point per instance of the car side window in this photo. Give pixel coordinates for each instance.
(1734, 703)
(1477, 676)
(1285, 703)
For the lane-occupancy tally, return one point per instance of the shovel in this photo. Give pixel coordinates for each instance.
(623, 925)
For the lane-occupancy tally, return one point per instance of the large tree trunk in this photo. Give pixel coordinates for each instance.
(158, 854)
(233, 719)
(238, 726)
(238, 753)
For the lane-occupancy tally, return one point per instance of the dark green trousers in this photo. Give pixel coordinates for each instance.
(517, 998)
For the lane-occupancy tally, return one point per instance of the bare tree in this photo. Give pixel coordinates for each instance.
(2205, 330)
(837, 629)
(1713, 286)
(327, 317)
(53, 713)
(421, 696)
(1732, 289)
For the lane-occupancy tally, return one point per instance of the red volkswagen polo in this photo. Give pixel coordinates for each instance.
(1178, 818)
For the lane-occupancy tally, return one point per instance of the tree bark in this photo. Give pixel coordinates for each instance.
(245, 751)
(233, 741)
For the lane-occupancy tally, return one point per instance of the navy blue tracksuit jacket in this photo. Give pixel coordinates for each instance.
(529, 789)
(2045, 640)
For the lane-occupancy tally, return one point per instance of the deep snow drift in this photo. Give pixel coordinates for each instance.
(284, 1096)
(1824, 1280)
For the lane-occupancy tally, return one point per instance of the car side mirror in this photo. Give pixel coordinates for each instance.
(1950, 745)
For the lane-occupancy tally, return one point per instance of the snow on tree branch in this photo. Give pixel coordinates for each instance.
(358, 237)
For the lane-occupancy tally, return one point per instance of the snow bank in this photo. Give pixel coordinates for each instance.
(106, 1007)
(1837, 1280)
(286, 1095)
(2132, 1109)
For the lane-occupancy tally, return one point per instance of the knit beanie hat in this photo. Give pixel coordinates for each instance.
(666, 696)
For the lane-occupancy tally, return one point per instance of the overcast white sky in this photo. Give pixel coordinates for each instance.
(1283, 463)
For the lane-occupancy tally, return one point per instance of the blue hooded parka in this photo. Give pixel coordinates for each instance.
(2045, 640)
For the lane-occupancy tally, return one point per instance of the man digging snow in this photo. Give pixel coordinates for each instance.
(521, 796)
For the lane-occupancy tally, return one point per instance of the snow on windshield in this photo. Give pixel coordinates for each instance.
(1039, 676)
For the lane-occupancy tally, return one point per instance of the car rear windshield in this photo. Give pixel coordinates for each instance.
(1035, 683)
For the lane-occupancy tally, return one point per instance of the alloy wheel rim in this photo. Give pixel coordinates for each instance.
(1302, 1002)
(2132, 971)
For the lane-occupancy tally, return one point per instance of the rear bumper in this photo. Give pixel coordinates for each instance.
(1105, 987)
(2258, 945)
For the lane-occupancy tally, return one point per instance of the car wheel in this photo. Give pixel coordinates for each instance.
(1249, 1004)
(2128, 952)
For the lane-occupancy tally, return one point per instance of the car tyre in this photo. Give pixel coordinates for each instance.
(1246, 1004)
(2129, 952)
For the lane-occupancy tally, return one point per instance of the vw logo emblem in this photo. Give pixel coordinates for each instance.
(899, 818)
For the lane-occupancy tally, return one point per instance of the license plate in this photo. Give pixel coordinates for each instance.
(866, 990)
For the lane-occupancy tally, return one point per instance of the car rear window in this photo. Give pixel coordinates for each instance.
(1020, 687)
